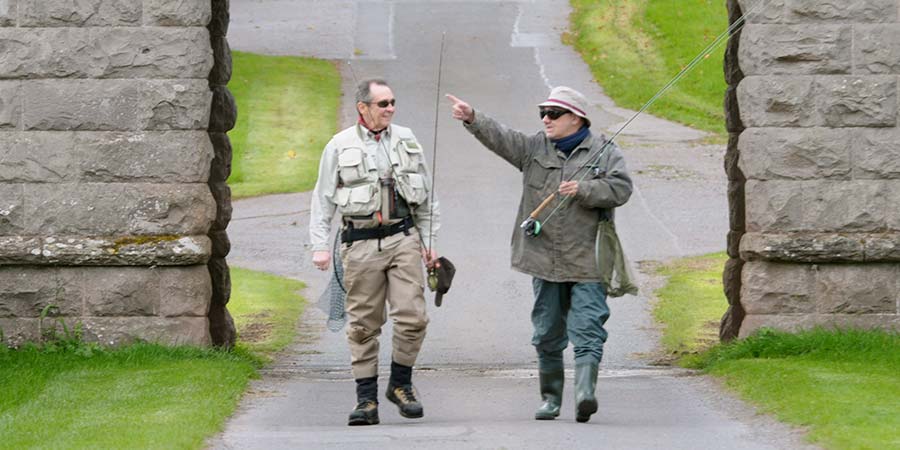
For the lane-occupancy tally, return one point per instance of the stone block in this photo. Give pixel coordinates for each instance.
(118, 209)
(883, 248)
(892, 213)
(221, 71)
(26, 291)
(110, 105)
(184, 291)
(220, 275)
(858, 288)
(220, 168)
(79, 13)
(784, 322)
(794, 323)
(224, 110)
(12, 209)
(840, 11)
(857, 101)
(763, 11)
(737, 217)
(795, 154)
(733, 243)
(733, 122)
(220, 17)
(18, 250)
(796, 49)
(844, 206)
(222, 193)
(121, 291)
(221, 244)
(732, 158)
(8, 13)
(730, 62)
(876, 154)
(17, 332)
(775, 288)
(778, 102)
(105, 53)
(36, 157)
(804, 247)
(154, 157)
(774, 205)
(876, 49)
(177, 13)
(166, 250)
(118, 331)
(221, 327)
(10, 105)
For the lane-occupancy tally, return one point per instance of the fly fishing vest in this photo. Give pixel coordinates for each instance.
(360, 191)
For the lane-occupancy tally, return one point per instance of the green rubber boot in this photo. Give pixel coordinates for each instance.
(551, 394)
(585, 384)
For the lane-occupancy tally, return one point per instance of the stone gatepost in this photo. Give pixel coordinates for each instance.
(814, 166)
(106, 210)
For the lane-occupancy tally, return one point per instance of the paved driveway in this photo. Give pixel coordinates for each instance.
(477, 370)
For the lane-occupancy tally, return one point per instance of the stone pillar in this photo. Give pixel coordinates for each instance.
(820, 151)
(105, 203)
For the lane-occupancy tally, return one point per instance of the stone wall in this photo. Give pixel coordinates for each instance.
(814, 165)
(111, 187)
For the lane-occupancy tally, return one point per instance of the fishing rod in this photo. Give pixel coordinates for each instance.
(432, 271)
(531, 225)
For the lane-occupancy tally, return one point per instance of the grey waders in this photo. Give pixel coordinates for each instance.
(585, 384)
(551, 394)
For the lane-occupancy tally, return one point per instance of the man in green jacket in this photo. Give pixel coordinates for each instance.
(565, 159)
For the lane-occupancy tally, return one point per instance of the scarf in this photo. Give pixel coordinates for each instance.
(570, 142)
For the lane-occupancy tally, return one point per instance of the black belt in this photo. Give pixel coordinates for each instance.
(351, 234)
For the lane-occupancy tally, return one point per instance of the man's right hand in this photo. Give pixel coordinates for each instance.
(461, 110)
(321, 259)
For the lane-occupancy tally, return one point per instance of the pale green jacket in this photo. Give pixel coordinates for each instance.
(564, 249)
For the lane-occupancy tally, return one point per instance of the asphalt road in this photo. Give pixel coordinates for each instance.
(477, 371)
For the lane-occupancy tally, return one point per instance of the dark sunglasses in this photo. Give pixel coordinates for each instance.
(553, 113)
(385, 103)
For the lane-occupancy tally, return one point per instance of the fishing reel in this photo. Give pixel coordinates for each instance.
(531, 227)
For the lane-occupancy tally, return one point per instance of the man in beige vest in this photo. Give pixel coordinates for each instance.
(375, 176)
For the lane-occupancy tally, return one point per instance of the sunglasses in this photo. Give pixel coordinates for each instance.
(553, 113)
(385, 103)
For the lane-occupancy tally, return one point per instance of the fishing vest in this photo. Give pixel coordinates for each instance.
(359, 190)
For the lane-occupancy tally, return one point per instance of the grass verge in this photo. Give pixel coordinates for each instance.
(287, 112)
(691, 303)
(634, 47)
(71, 394)
(843, 386)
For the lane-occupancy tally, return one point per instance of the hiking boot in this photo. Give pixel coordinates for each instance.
(585, 384)
(365, 413)
(405, 398)
(551, 392)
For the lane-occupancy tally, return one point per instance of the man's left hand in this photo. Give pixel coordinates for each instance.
(430, 258)
(568, 188)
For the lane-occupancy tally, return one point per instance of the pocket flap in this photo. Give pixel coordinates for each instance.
(548, 162)
(361, 194)
(417, 181)
(342, 196)
(350, 157)
(411, 146)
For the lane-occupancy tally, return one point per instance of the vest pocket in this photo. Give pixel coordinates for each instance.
(357, 201)
(351, 166)
(412, 187)
(409, 155)
(540, 171)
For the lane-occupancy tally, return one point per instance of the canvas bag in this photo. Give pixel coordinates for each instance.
(615, 272)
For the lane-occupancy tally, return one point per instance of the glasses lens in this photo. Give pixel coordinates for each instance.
(385, 103)
(552, 113)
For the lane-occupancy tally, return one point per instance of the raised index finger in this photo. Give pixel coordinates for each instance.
(453, 98)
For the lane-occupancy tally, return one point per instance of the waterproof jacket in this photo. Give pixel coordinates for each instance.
(564, 249)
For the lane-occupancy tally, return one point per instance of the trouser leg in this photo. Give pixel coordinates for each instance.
(406, 299)
(366, 286)
(587, 318)
(548, 316)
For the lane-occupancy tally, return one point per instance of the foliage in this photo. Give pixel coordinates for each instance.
(634, 47)
(287, 112)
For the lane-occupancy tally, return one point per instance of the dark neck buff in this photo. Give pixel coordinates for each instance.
(571, 142)
(376, 134)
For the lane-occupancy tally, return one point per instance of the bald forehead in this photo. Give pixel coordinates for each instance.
(380, 92)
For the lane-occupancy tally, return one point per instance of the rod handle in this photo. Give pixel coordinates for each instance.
(537, 211)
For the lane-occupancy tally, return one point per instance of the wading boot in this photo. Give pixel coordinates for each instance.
(366, 411)
(401, 392)
(551, 394)
(585, 384)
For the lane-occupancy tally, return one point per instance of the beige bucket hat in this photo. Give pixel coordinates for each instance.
(570, 99)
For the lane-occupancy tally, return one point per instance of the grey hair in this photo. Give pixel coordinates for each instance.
(364, 90)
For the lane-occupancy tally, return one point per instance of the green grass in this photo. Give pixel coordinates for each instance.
(634, 47)
(287, 112)
(691, 303)
(75, 395)
(842, 386)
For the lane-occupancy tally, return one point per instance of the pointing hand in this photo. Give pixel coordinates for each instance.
(461, 110)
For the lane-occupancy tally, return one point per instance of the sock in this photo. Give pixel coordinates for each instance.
(400, 375)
